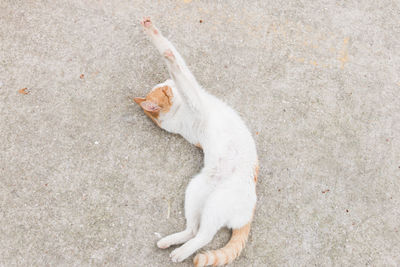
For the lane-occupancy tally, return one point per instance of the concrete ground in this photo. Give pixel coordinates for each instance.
(87, 179)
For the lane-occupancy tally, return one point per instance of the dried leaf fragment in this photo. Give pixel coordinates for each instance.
(23, 91)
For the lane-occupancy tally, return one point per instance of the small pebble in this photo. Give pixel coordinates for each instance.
(157, 234)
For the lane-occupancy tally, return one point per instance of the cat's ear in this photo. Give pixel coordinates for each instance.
(150, 106)
(139, 100)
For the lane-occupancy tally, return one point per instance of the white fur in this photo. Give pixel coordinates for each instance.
(223, 193)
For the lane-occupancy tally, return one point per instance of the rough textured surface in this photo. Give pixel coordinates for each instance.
(87, 179)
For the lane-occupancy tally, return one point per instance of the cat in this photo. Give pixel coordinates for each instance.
(223, 194)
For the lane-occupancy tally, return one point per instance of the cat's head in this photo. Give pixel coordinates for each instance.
(159, 102)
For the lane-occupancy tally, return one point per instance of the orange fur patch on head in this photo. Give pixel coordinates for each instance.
(152, 117)
(162, 97)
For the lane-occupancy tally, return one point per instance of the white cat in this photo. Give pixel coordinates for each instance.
(224, 192)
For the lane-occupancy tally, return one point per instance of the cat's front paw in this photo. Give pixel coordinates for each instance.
(146, 22)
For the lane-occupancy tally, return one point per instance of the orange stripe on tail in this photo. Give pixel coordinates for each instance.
(226, 254)
(256, 173)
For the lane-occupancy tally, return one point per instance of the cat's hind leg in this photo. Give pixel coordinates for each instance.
(196, 193)
(175, 239)
(211, 222)
(215, 214)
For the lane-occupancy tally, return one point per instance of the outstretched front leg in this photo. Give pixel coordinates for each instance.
(172, 62)
(160, 42)
(163, 45)
(180, 73)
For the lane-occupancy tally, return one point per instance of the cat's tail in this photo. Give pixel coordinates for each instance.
(226, 254)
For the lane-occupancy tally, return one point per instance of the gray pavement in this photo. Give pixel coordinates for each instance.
(87, 179)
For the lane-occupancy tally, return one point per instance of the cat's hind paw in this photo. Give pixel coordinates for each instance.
(163, 243)
(179, 254)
